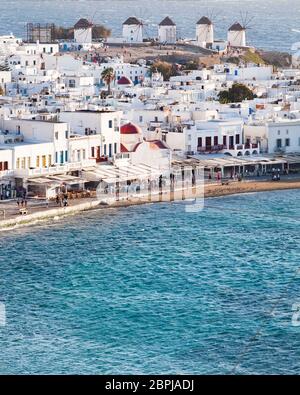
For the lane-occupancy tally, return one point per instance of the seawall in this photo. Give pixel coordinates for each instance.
(22, 220)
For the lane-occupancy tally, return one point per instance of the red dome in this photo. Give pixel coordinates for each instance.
(124, 81)
(130, 128)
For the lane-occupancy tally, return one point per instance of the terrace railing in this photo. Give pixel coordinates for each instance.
(54, 169)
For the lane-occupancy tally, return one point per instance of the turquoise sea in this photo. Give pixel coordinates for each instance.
(272, 24)
(154, 289)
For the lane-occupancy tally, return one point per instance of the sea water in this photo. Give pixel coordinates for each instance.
(155, 289)
(271, 24)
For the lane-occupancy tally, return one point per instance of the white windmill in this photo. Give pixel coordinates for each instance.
(167, 32)
(236, 35)
(133, 30)
(205, 32)
(83, 31)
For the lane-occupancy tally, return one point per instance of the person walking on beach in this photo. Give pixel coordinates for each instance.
(24, 200)
(65, 200)
(59, 200)
(160, 183)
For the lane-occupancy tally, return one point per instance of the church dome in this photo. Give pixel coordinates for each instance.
(130, 128)
(124, 81)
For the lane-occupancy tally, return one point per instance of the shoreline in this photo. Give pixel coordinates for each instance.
(210, 191)
(251, 186)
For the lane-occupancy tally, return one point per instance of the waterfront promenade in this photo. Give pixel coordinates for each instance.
(10, 216)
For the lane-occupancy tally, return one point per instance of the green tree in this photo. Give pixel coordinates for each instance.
(100, 31)
(236, 94)
(166, 69)
(191, 65)
(108, 76)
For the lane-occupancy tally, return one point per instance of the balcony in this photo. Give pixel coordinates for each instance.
(250, 146)
(211, 148)
(6, 173)
(64, 168)
(234, 150)
(243, 149)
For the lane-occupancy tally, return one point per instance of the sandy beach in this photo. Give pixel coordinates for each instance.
(250, 186)
(215, 190)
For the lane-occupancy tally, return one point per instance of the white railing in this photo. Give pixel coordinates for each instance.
(6, 173)
(55, 169)
(243, 148)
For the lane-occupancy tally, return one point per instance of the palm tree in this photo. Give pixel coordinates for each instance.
(108, 75)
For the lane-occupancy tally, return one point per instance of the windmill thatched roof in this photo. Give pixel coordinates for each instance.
(132, 21)
(204, 21)
(83, 24)
(236, 27)
(167, 22)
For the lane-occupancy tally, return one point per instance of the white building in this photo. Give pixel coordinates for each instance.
(38, 48)
(83, 31)
(245, 73)
(236, 36)
(167, 31)
(36, 143)
(104, 126)
(136, 73)
(79, 85)
(276, 137)
(205, 32)
(133, 30)
(5, 76)
(8, 45)
(213, 136)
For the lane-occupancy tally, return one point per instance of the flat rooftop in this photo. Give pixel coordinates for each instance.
(91, 111)
(36, 120)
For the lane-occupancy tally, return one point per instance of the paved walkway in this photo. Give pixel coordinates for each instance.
(12, 211)
(9, 208)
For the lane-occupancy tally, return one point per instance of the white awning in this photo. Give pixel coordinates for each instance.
(112, 174)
